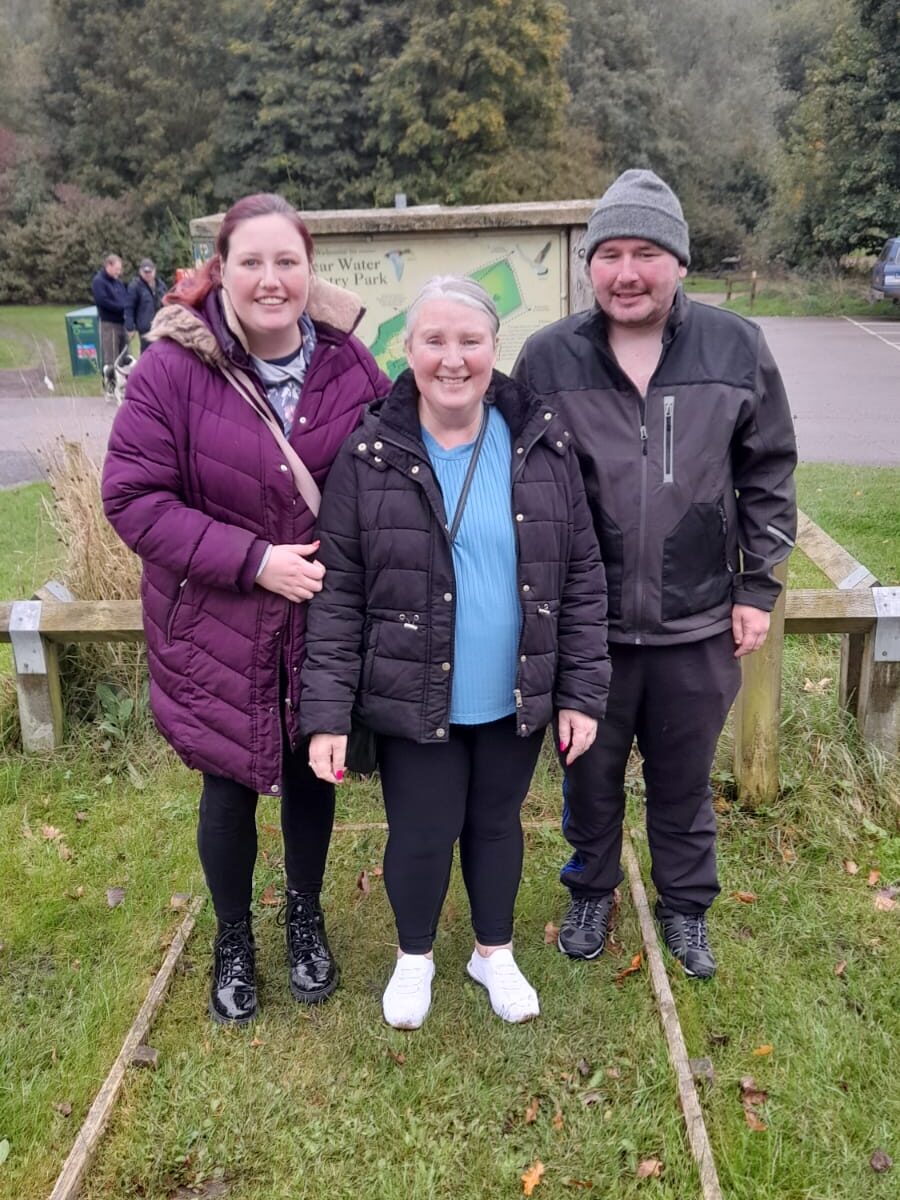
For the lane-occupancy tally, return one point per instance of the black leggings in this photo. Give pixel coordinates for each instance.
(471, 788)
(226, 833)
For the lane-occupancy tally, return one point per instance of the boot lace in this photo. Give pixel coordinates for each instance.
(235, 954)
(589, 912)
(301, 918)
(695, 933)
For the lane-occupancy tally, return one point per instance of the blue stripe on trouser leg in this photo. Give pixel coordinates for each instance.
(574, 866)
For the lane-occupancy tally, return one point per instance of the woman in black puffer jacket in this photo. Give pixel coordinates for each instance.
(463, 606)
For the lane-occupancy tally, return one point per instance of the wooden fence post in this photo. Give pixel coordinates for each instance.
(37, 678)
(878, 701)
(757, 711)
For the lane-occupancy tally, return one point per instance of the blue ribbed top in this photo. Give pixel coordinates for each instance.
(488, 616)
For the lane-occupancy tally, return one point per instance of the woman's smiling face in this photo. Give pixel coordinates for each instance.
(452, 350)
(266, 277)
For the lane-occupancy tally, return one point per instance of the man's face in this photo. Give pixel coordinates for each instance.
(148, 274)
(114, 268)
(635, 281)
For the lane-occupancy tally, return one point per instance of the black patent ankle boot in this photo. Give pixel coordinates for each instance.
(232, 997)
(313, 972)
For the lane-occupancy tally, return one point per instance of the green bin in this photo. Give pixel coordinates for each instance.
(83, 332)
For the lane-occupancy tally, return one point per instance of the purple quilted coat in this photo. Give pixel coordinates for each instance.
(195, 484)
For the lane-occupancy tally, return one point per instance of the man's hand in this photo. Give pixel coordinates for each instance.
(291, 573)
(326, 755)
(576, 733)
(749, 627)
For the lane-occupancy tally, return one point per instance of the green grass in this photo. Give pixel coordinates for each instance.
(35, 336)
(804, 296)
(710, 284)
(329, 1102)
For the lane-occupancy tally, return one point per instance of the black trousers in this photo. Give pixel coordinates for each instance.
(470, 789)
(226, 833)
(674, 700)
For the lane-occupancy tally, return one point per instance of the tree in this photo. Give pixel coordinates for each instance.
(473, 109)
(298, 111)
(134, 89)
(840, 182)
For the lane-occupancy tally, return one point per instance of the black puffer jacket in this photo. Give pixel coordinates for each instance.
(381, 632)
(681, 480)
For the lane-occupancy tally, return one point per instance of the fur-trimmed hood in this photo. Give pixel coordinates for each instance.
(214, 334)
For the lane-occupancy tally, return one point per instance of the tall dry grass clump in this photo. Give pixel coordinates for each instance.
(96, 566)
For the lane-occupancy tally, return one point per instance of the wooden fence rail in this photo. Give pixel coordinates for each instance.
(867, 615)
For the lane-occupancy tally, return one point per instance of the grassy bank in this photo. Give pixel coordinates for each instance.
(35, 336)
(808, 296)
(331, 1102)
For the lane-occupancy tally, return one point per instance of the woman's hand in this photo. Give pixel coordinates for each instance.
(576, 733)
(291, 572)
(326, 755)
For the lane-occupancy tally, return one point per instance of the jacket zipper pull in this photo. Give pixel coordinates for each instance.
(644, 440)
(518, 695)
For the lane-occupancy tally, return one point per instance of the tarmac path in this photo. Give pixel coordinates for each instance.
(842, 377)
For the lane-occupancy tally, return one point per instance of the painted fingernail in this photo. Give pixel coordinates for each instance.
(339, 775)
(562, 746)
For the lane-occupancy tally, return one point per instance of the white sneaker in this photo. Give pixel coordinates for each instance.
(407, 997)
(512, 996)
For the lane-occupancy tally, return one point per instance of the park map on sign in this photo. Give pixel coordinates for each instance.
(523, 271)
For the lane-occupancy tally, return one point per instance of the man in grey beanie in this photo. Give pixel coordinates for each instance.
(687, 447)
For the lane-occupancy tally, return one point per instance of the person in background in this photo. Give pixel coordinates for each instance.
(251, 384)
(110, 296)
(463, 606)
(144, 300)
(684, 435)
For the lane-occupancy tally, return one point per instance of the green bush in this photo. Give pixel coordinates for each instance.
(51, 257)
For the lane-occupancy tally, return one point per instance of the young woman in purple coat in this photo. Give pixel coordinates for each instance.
(253, 366)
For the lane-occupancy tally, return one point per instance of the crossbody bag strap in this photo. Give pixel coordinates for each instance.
(306, 485)
(470, 475)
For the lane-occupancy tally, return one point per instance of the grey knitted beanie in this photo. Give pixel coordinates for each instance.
(639, 205)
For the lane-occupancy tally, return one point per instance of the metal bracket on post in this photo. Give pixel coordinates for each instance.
(28, 649)
(887, 624)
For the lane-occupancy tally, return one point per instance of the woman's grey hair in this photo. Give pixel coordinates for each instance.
(452, 287)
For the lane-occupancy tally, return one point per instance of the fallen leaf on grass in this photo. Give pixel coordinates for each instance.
(269, 896)
(81, 817)
(788, 855)
(532, 1178)
(635, 966)
(362, 882)
(50, 833)
(551, 933)
(270, 828)
(589, 1098)
(850, 866)
(115, 896)
(874, 876)
(257, 1042)
(64, 1108)
(884, 900)
(376, 872)
(753, 1120)
(819, 687)
(531, 1111)
(583, 1068)
(881, 1162)
(751, 1097)
(76, 893)
(179, 900)
(721, 805)
(613, 1072)
(398, 1056)
(557, 1121)
(761, 1051)
(64, 852)
(840, 968)
(650, 1168)
(746, 897)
